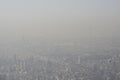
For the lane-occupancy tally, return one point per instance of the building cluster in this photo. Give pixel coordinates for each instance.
(65, 67)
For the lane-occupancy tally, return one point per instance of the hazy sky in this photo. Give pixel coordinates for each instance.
(49, 7)
(64, 18)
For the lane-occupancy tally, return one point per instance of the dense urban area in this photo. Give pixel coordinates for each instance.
(62, 62)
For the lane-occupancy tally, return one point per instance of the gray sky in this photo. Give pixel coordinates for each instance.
(86, 7)
(59, 18)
